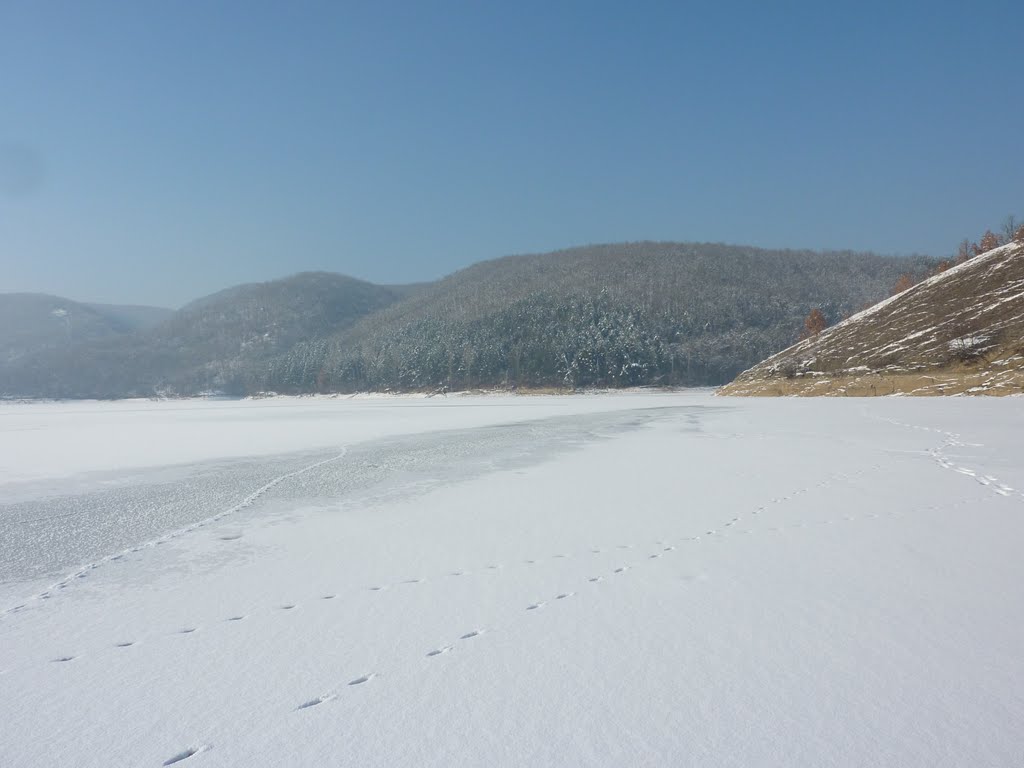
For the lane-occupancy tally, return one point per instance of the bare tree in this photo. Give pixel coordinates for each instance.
(1009, 230)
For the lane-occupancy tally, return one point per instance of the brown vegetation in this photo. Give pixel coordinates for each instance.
(959, 331)
(904, 282)
(814, 324)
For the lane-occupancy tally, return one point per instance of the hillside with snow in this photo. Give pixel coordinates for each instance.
(617, 315)
(958, 332)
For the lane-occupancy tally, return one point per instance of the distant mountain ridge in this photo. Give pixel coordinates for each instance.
(958, 332)
(204, 346)
(33, 322)
(606, 315)
(133, 317)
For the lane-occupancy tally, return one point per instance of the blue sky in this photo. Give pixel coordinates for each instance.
(155, 152)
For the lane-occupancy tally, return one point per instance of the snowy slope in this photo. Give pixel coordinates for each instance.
(632, 580)
(961, 331)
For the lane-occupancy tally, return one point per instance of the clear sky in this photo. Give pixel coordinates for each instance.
(153, 152)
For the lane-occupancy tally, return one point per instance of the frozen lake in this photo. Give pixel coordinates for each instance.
(622, 579)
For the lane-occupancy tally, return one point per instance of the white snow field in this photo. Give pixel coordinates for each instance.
(604, 580)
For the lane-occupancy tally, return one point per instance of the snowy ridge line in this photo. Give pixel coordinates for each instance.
(248, 501)
(928, 281)
(952, 440)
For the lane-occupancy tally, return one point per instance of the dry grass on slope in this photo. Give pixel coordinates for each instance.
(960, 332)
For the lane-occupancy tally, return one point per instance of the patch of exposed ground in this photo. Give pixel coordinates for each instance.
(960, 332)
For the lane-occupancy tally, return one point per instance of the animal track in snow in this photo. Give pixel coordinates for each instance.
(63, 658)
(663, 545)
(535, 606)
(952, 441)
(231, 537)
(564, 595)
(363, 679)
(440, 651)
(126, 644)
(248, 501)
(471, 635)
(316, 701)
(186, 754)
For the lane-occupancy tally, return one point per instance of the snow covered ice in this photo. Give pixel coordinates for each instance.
(592, 580)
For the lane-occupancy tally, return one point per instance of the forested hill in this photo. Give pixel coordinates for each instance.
(217, 343)
(605, 315)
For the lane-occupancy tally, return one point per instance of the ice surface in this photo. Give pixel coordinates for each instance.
(598, 580)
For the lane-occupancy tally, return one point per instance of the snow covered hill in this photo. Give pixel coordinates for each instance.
(961, 331)
(614, 315)
(615, 580)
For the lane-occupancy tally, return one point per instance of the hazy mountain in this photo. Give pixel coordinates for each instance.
(203, 346)
(34, 322)
(961, 331)
(606, 315)
(133, 317)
